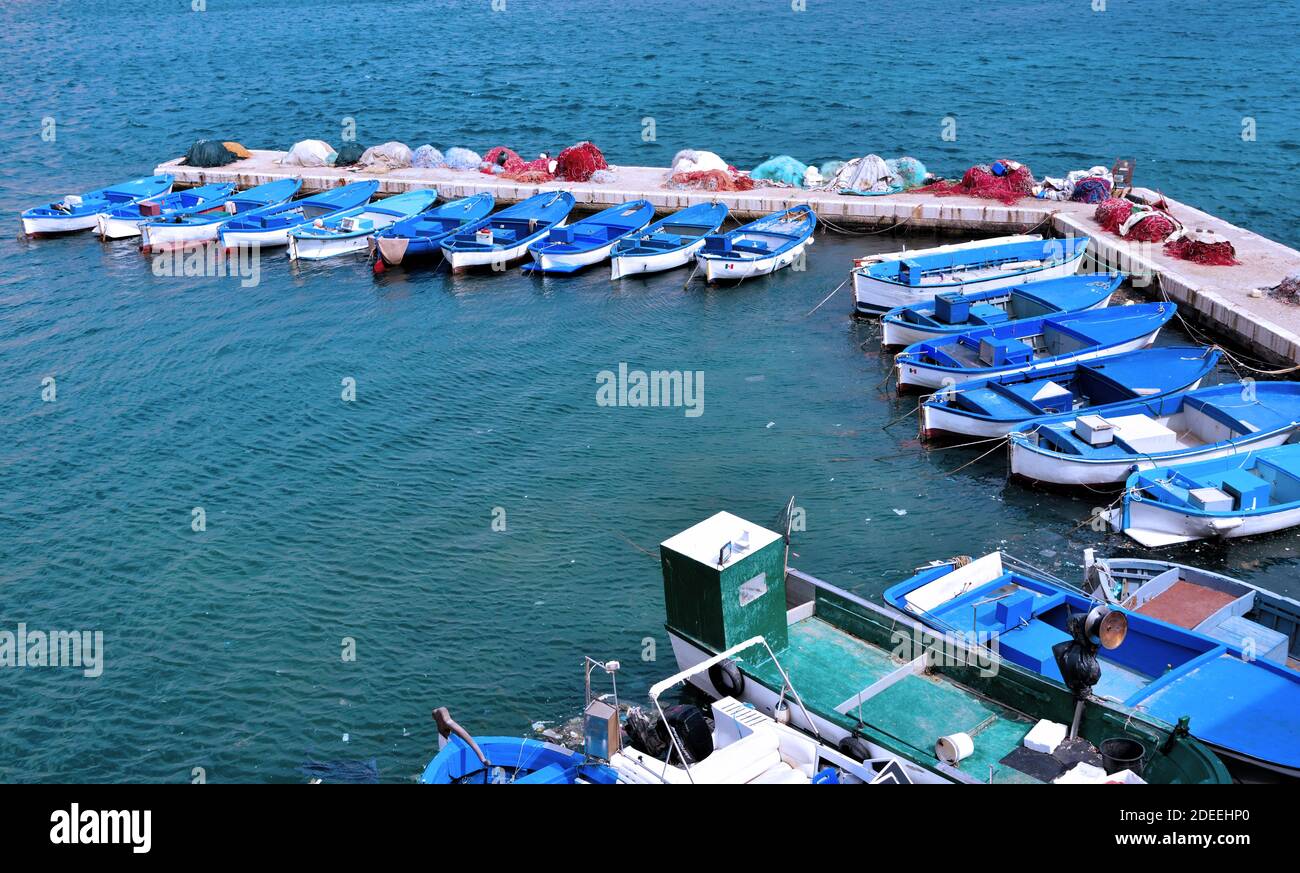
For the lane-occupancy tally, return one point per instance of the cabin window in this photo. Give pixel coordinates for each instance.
(753, 589)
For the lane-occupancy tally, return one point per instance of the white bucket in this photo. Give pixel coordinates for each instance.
(954, 748)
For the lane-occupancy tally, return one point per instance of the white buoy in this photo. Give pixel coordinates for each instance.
(954, 748)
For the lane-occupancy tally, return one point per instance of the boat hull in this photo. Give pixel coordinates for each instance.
(874, 297)
(913, 375)
(1154, 524)
(307, 248)
(895, 333)
(110, 227)
(70, 224)
(165, 236)
(571, 261)
(1054, 469)
(736, 269)
(261, 238)
(635, 265)
(461, 259)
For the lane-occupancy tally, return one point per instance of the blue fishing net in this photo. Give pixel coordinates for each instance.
(781, 168)
(348, 154)
(462, 159)
(427, 156)
(910, 171)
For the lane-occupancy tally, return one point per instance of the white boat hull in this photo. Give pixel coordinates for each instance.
(765, 700)
(637, 264)
(165, 236)
(70, 224)
(895, 334)
(874, 297)
(110, 227)
(1055, 469)
(465, 260)
(248, 238)
(1154, 525)
(308, 248)
(573, 260)
(913, 374)
(733, 270)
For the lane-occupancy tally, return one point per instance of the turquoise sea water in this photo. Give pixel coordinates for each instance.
(371, 521)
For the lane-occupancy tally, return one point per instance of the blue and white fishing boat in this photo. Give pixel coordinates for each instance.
(81, 211)
(668, 243)
(952, 312)
(590, 240)
(881, 282)
(421, 236)
(994, 407)
(1030, 344)
(1243, 707)
(1200, 425)
(1239, 495)
(272, 225)
(351, 230)
(758, 248)
(504, 237)
(193, 228)
(122, 222)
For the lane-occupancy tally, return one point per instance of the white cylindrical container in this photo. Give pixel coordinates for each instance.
(954, 748)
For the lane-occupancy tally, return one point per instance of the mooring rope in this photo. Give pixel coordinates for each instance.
(828, 297)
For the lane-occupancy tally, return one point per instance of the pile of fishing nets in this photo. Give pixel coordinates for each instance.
(1288, 290)
(705, 171)
(578, 162)
(1082, 186)
(458, 158)
(909, 171)
(309, 153)
(1093, 189)
(210, 153)
(782, 169)
(348, 154)
(1113, 212)
(1136, 221)
(602, 177)
(500, 160)
(1209, 252)
(427, 157)
(237, 149)
(533, 172)
(384, 157)
(1003, 180)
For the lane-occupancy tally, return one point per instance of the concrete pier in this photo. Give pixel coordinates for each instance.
(1216, 298)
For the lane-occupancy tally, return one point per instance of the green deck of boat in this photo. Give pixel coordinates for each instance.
(827, 666)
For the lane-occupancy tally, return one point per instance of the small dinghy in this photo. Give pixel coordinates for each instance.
(81, 211)
(915, 277)
(951, 312)
(504, 238)
(1198, 425)
(421, 236)
(589, 241)
(758, 248)
(994, 407)
(1239, 495)
(668, 243)
(351, 230)
(193, 228)
(272, 225)
(1241, 706)
(121, 222)
(1030, 344)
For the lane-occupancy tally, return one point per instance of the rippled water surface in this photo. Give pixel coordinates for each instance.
(372, 520)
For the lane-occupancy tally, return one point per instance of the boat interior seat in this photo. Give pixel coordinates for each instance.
(1042, 396)
(751, 246)
(661, 241)
(1167, 491)
(987, 314)
(1285, 483)
(992, 402)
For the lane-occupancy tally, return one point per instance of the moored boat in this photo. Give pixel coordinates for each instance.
(668, 243)
(1238, 495)
(1199, 425)
(272, 225)
(504, 237)
(882, 283)
(994, 407)
(351, 230)
(1243, 707)
(758, 248)
(80, 211)
(1029, 345)
(875, 679)
(953, 312)
(124, 221)
(589, 240)
(194, 228)
(421, 236)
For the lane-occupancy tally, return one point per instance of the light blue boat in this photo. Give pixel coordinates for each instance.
(351, 229)
(512, 761)
(124, 221)
(1244, 708)
(994, 407)
(1104, 449)
(421, 236)
(758, 248)
(200, 226)
(952, 312)
(668, 243)
(80, 212)
(504, 237)
(590, 240)
(1029, 344)
(1238, 495)
(272, 225)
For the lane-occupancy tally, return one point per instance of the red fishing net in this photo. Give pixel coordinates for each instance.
(712, 180)
(512, 164)
(532, 173)
(1112, 213)
(1003, 180)
(1214, 254)
(1154, 228)
(578, 162)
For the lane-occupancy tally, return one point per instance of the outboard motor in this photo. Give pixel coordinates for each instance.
(692, 730)
(1102, 627)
